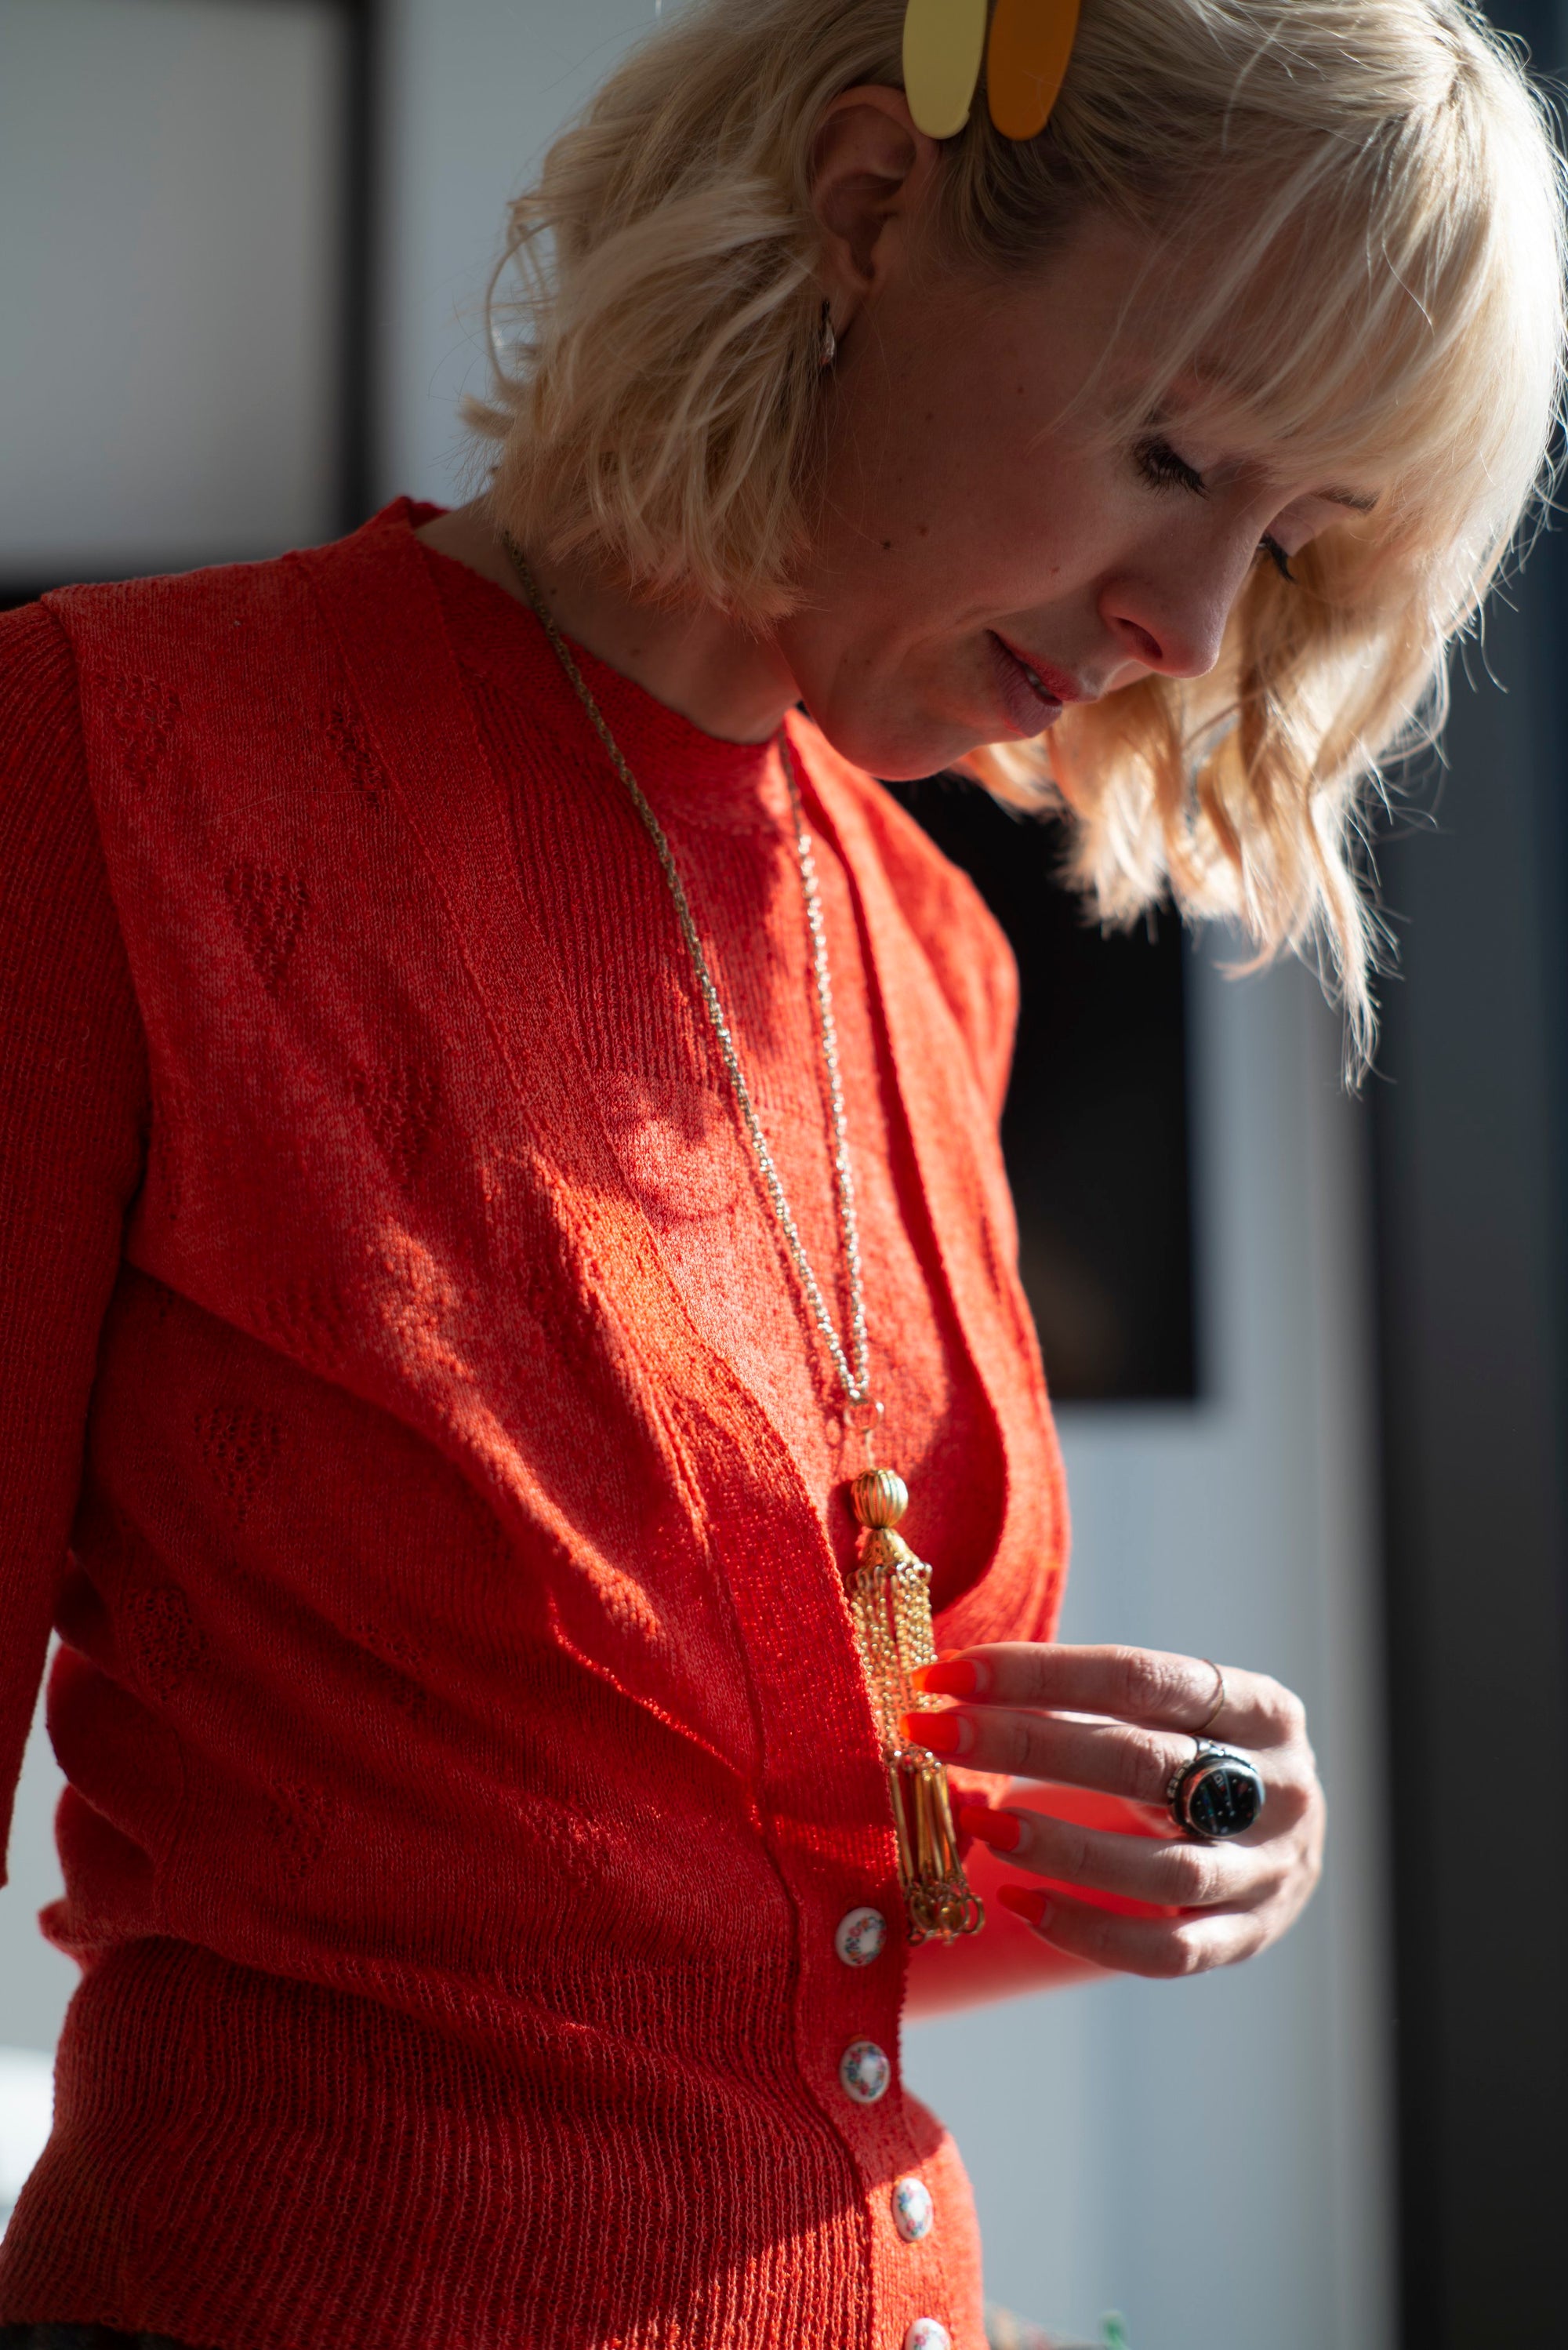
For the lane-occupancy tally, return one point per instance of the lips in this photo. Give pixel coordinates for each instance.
(1033, 697)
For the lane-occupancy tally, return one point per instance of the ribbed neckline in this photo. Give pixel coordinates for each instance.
(689, 776)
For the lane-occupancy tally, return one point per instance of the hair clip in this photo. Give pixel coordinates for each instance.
(1025, 60)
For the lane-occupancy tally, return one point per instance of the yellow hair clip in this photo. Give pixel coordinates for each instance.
(944, 41)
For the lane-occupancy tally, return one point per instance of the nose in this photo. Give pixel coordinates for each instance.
(1169, 611)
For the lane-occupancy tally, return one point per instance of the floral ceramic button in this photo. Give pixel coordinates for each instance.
(928, 2334)
(861, 1937)
(914, 2213)
(864, 2072)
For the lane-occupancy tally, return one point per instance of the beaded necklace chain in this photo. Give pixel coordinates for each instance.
(891, 1598)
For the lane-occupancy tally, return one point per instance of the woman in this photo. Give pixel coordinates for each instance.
(500, 1120)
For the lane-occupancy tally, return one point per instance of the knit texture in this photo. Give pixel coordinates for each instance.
(410, 1424)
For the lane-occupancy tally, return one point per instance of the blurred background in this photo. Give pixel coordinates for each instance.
(1311, 1355)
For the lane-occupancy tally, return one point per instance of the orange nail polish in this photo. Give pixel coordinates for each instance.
(947, 1679)
(1024, 1902)
(942, 1732)
(1003, 1830)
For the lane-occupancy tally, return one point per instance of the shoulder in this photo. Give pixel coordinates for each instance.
(185, 619)
(232, 618)
(945, 918)
(236, 683)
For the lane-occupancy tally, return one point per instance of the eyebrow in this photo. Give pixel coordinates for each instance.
(1351, 498)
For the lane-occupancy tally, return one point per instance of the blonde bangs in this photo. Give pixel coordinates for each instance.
(1353, 212)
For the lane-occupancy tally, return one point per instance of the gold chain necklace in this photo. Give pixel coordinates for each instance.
(891, 1599)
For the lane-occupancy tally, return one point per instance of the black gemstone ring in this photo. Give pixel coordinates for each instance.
(1219, 1793)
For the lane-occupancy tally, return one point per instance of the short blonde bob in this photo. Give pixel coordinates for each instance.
(1371, 195)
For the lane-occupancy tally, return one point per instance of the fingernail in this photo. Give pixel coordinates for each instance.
(1003, 1830)
(947, 1679)
(1024, 1902)
(944, 1734)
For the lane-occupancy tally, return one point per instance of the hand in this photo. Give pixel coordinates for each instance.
(1181, 1906)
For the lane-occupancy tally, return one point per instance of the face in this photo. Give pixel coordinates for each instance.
(980, 561)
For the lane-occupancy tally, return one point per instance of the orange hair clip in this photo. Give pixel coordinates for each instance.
(1025, 60)
(1031, 43)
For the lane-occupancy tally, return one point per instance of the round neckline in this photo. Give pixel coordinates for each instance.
(688, 775)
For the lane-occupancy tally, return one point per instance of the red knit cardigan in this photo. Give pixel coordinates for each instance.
(469, 1759)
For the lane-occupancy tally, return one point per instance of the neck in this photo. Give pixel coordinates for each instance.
(696, 661)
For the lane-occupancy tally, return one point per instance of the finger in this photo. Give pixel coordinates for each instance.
(1164, 1947)
(1143, 1685)
(1113, 1757)
(1173, 1875)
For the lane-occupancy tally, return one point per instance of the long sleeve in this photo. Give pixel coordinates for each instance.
(73, 1091)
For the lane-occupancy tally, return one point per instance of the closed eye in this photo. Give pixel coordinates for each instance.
(1163, 469)
(1277, 557)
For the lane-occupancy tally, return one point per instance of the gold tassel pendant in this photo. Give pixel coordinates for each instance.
(892, 1604)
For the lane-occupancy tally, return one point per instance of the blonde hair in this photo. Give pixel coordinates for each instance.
(1375, 196)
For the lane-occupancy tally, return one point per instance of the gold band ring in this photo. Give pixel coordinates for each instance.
(1216, 1709)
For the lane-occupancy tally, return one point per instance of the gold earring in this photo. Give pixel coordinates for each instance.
(827, 349)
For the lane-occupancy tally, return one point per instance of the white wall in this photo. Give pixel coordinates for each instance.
(167, 170)
(36, 1980)
(476, 88)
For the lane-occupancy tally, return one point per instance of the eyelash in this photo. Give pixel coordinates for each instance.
(1159, 465)
(1163, 470)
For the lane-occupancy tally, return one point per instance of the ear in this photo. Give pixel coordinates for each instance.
(871, 171)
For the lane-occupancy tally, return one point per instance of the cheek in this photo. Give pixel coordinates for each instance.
(945, 480)
(929, 450)
(992, 534)
(952, 547)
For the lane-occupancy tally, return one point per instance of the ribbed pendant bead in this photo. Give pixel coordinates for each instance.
(879, 1497)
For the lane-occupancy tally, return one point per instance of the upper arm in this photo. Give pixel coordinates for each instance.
(73, 1095)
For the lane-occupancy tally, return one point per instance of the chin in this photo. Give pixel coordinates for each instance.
(898, 750)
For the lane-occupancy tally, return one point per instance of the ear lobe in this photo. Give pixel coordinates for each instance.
(869, 163)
